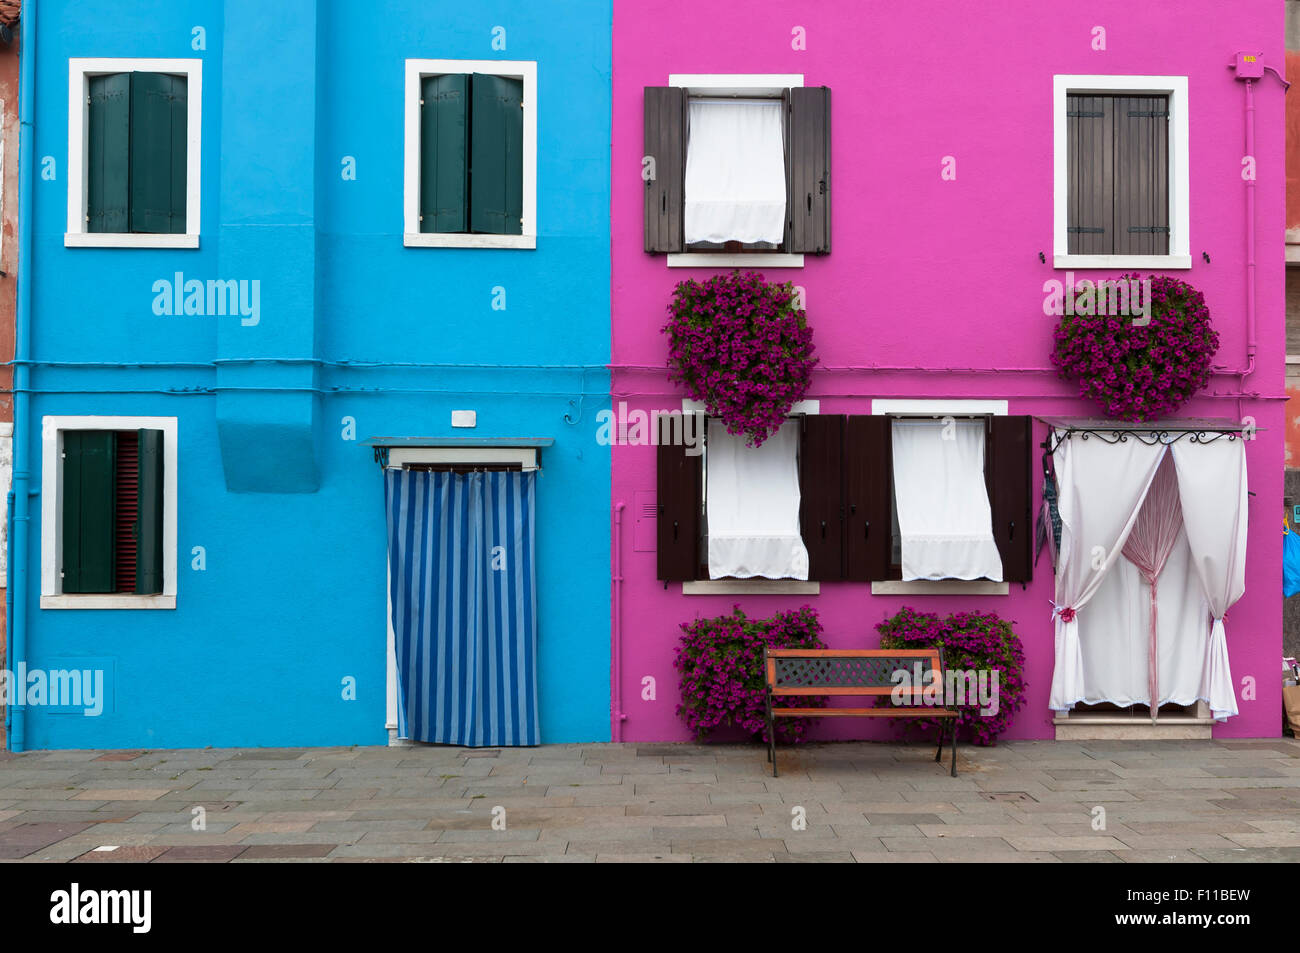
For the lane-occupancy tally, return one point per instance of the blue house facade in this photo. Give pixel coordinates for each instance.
(277, 256)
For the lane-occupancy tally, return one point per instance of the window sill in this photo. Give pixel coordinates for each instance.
(725, 260)
(127, 240)
(1156, 262)
(940, 587)
(751, 587)
(458, 240)
(108, 601)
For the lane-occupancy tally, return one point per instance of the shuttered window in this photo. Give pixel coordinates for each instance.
(1118, 170)
(846, 499)
(471, 154)
(136, 141)
(807, 121)
(112, 511)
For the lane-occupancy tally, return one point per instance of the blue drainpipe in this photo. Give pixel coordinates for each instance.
(18, 553)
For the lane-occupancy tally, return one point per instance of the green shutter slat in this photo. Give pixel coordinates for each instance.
(444, 147)
(88, 508)
(496, 168)
(149, 535)
(158, 139)
(107, 153)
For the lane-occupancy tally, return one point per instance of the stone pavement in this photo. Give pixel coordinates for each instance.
(1194, 801)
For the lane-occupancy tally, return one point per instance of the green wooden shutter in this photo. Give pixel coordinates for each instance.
(108, 153)
(444, 146)
(1090, 163)
(1141, 175)
(88, 509)
(496, 161)
(158, 146)
(149, 526)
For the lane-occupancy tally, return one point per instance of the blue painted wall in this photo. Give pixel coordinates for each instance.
(291, 514)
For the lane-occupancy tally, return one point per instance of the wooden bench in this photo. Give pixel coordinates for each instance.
(854, 672)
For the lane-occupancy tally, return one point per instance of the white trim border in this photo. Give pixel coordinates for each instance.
(79, 68)
(1179, 170)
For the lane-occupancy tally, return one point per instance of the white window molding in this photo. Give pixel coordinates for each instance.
(751, 587)
(412, 237)
(735, 84)
(1175, 87)
(939, 587)
(813, 406)
(79, 71)
(938, 408)
(398, 457)
(52, 596)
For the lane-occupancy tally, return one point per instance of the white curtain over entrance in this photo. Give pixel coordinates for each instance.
(944, 518)
(1101, 650)
(1212, 487)
(753, 505)
(1101, 490)
(735, 171)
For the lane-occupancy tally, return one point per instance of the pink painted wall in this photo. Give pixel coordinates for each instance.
(932, 273)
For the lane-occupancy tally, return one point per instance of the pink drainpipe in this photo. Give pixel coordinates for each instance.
(1250, 237)
(616, 715)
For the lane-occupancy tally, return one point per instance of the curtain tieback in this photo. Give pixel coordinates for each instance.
(1066, 613)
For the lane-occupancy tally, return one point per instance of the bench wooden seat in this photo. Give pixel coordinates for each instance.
(834, 673)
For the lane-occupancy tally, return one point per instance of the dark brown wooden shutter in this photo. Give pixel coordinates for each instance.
(679, 482)
(665, 142)
(808, 170)
(1008, 465)
(1090, 133)
(126, 491)
(868, 481)
(1141, 175)
(821, 494)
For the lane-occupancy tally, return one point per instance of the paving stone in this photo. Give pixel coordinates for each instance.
(268, 851)
(200, 855)
(121, 855)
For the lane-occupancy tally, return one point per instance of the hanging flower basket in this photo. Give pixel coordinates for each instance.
(1137, 366)
(740, 346)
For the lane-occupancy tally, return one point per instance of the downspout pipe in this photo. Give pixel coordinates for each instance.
(617, 717)
(19, 535)
(1250, 238)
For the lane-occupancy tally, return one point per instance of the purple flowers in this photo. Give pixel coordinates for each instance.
(721, 661)
(971, 641)
(739, 345)
(1140, 372)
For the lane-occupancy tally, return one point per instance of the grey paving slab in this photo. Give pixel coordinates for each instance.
(1022, 802)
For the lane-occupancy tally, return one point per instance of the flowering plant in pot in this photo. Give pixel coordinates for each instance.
(1136, 366)
(978, 642)
(741, 347)
(722, 679)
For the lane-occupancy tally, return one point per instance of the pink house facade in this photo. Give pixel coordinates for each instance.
(949, 213)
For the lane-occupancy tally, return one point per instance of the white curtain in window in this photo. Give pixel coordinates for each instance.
(944, 517)
(735, 171)
(753, 505)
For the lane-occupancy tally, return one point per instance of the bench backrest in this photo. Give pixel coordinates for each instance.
(849, 671)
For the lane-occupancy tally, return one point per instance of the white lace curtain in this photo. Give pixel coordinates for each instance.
(735, 171)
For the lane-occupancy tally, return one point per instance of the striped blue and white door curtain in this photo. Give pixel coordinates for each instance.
(464, 602)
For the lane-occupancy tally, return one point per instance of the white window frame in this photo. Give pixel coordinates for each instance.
(756, 586)
(52, 595)
(526, 457)
(939, 408)
(735, 84)
(1175, 87)
(412, 237)
(79, 71)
